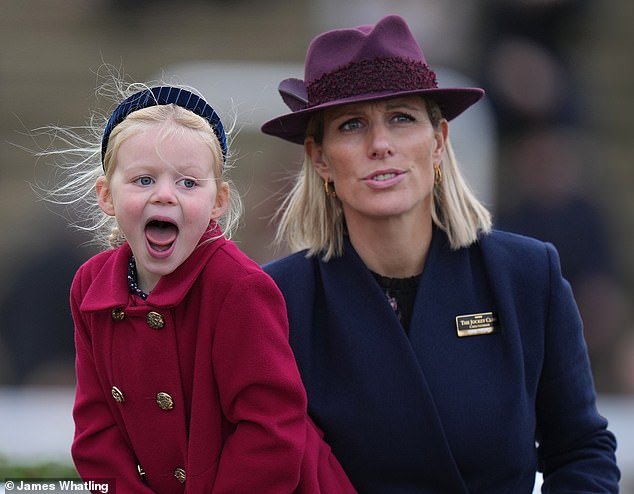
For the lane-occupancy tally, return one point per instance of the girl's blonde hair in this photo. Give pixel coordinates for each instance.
(312, 220)
(75, 153)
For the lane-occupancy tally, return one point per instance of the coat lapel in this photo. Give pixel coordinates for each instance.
(384, 370)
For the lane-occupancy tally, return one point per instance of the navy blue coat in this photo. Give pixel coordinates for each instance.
(431, 411)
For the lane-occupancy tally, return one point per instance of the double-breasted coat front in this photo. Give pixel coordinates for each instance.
(491, 382)
(196, 388)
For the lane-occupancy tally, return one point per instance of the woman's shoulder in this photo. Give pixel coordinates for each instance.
(289, 265)
(507, 243)
(293, 274)
(519, 256)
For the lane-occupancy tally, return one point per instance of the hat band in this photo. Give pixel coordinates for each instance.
(378, 75)
(165, 95)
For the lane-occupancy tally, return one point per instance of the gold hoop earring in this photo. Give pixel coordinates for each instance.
(437, 174)
(329, 193)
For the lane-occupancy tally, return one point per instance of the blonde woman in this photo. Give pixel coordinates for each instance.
(438, 355)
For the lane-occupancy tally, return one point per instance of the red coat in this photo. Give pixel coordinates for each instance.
(196, 387)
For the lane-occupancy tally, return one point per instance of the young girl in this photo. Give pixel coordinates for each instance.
(185, 378)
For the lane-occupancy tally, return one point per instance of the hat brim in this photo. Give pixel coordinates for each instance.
(452, 102)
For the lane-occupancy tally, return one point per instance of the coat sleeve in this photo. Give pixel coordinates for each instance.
(576, 451)
(260, 389)
(99, 449)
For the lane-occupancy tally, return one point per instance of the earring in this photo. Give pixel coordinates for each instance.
(437, 174)
(329, 193)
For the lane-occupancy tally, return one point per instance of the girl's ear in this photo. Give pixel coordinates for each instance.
(316, 154)
(104, 196)
(222, 201)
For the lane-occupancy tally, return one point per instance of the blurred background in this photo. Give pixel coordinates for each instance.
(549, 150)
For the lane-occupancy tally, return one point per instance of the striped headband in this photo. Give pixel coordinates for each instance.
(165, 95)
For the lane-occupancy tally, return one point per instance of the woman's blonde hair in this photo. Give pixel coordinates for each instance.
(312, 220)
(75, 153)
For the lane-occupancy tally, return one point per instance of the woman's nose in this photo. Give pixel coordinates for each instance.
(379, 145)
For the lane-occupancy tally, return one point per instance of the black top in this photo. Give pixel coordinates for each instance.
(400, 293)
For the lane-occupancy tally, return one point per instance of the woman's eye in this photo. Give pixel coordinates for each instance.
(188, 183)
(144, 181)
(350, 124)
(404, 117)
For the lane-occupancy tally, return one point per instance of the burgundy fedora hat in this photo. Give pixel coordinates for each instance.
(360, 64)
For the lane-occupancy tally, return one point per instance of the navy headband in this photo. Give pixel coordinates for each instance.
(165, 95)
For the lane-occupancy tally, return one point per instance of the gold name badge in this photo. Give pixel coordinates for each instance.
(476, 324)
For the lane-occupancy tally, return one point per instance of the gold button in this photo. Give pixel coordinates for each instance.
(180, 475)
(118, 314)
(155, 320)
(165, 401)
(117, 394)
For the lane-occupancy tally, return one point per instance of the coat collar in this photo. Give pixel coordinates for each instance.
(351, 293)
(109, 287)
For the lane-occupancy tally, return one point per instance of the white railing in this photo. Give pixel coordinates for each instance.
(36, 425)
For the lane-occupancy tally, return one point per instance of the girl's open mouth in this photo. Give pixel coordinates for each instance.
(160, 235)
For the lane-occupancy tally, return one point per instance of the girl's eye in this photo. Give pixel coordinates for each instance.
(144, 181)
(188, 183)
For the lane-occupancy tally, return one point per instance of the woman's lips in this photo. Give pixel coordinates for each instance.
(383, 179)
